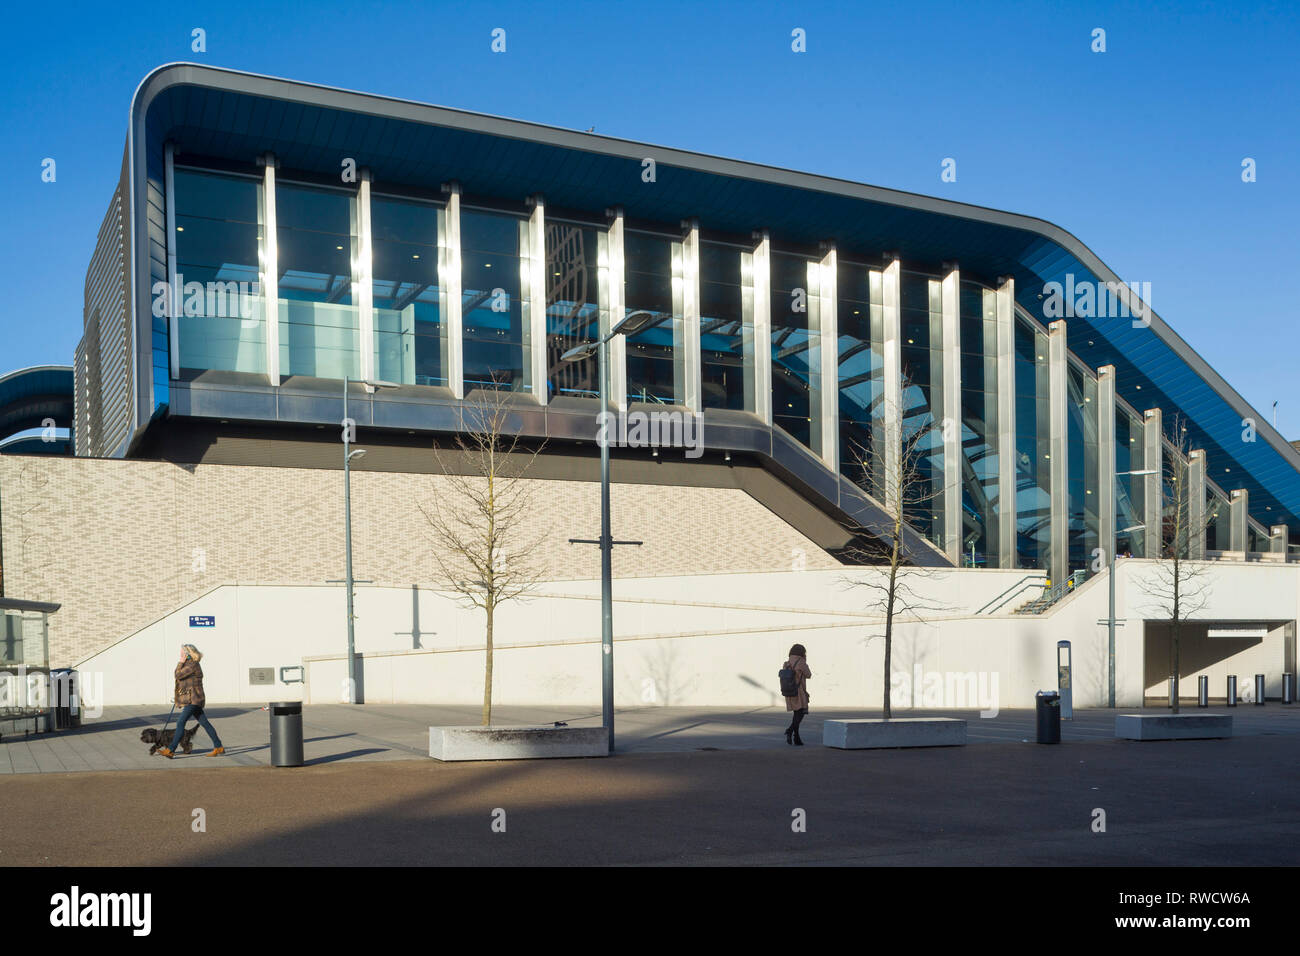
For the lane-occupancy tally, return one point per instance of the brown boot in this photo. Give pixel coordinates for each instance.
(217, 752)
(166, 752)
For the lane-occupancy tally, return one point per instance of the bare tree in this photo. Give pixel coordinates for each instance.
(1177, 585)
(482, 547)
(903, 484)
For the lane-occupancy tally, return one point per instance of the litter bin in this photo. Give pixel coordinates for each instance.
(1048, 703)
(64, 700)
(286, 734)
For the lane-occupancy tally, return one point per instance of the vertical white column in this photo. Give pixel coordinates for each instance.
(363, 277)
(950, 299)
(617, 353)
(451, 298)
(1153, 484)
(1196, 504)
(892, 360)
(1005, 301)
(1239, 520)
(761, 329)
(173, 285)
(1277, 539)
(1058, 447)
(686, 351)
(534, 304)
(270, 274)
(824, 365)
(1106, 463)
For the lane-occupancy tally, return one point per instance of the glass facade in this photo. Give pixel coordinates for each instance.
(408, 291)
(861, 384)
(652, 267)
(576, 306)
(979, 424)
(492, 312)
(219, 248)
(318, 246)
(792, 347)
(722, 325)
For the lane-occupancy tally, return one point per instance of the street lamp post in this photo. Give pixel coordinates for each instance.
(348, 454)
(631, 323)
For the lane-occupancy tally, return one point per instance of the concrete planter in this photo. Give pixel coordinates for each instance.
(516, 743)
(1172, 726)
(877, 733)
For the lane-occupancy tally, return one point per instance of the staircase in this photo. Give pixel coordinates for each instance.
(1053, 594)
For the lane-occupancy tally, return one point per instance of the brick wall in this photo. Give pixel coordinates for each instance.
(120, 543)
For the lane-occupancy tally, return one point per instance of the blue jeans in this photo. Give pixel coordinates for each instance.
(197, 713)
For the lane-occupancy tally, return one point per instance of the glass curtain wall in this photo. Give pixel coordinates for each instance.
(722, 326)
(219, 248)
(921, 359)
(1081, 424)
(979, 411)
(575, 304)
(491, 303)
(653, 281)
(1130, 490)
(407, 291)
(792, 345)
(860, 384)
(1217, 533)
(1033, 447)
(318, 247)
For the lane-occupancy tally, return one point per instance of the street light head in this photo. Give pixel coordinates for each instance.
(374, 386)
(356, 453)
(579, 352)
(633, 322)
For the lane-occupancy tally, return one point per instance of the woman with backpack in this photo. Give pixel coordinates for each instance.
(189, 695)
(797, 681)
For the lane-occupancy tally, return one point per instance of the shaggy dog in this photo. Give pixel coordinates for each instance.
(160, 738)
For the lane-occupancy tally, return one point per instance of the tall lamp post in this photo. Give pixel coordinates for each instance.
(348, 454)
(630, 324)
(1114, 562)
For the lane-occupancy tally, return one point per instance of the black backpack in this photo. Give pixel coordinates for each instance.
(789, 681)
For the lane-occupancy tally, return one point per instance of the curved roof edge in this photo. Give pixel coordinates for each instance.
(183, 73)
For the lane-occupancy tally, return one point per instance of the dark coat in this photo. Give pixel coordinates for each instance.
(801, 672)
(189, 684)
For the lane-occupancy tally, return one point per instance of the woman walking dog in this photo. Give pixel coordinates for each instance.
(189, 696)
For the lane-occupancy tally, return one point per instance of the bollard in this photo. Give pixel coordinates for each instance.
(1232, 690)
(1288, 688)
(1172, 702)
(1203, 691)
(1259, 690)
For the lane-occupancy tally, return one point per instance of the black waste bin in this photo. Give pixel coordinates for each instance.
(286, 734)
(1049, 716)
(64, 700)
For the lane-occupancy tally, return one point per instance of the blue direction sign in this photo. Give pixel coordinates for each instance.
(206, 620)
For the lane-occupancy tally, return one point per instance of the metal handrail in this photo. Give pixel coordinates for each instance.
(1007, 593)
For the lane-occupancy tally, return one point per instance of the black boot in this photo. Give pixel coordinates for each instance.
(797, 741)
(787, 736)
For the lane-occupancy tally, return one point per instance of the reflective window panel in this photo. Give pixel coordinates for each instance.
(491, 310)
(408, 315)
(575, 302)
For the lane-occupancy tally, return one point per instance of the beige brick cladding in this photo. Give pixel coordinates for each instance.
(120, 543)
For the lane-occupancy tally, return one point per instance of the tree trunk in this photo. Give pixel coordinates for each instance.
(487, 679)
(889, 615)
(1174, 636)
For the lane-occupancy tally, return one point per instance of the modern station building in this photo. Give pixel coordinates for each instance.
(270, 241)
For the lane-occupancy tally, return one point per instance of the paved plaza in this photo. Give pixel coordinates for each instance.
(334, 733)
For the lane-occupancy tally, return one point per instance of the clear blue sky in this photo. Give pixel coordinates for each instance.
(1136, 151)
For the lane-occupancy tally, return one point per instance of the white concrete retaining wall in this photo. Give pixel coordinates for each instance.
(707, 640)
